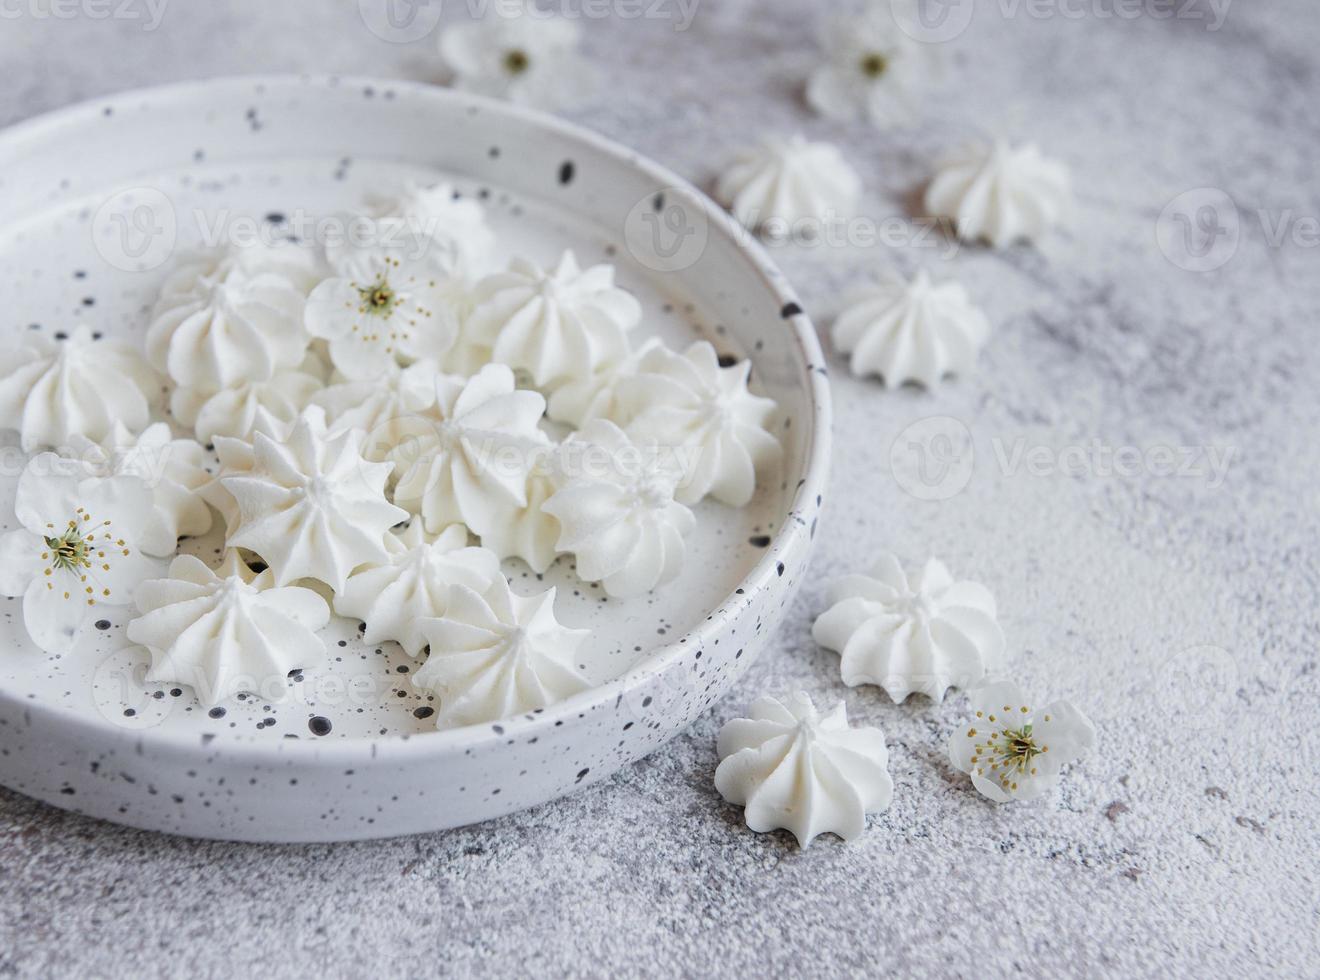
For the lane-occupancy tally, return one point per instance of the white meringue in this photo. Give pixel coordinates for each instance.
(617, 512)
(1013, 751)
(52, 390)
(530, 533)
(232, 314)
(386, 313)
(387, 410)
(231, 411)
(596, 395)
(910, 332)
(557, 326)
(440, 212)
(1000, 194)
(810, 774)
(788, 181)
(394, 598)
(237, 456)
(227, 632)
(470, 464)
(717, 427)
(174, 470)
(497, 655)
(311, 506)
(77, 547)
(922, 633)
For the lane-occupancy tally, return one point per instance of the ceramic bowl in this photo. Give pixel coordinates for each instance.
(95, 201)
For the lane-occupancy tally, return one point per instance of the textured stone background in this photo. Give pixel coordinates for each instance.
(1186, 843)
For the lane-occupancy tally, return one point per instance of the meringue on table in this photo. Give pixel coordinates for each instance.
(918, 632)
(54, 389)
(498, 654)
(791, 767)
(999, 194)
(787, 181)
(228, 631)
(917, 331)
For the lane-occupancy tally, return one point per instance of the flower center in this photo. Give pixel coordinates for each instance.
(873, 64)
(516, 61)
(83, 548)
(1009, 752)
(378, 299)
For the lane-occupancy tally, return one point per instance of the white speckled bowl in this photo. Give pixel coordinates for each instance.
(93, 202)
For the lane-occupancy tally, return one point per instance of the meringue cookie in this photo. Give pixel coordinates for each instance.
(705, 412)
(470, 464)
(389, 313)
(497, 655)
(617, 512)
(441, 212)
(237, 456)
(230, 315)
(227, 632)
(922, 633)
(557, 326)
(394, 598)
(311, 506)
(52, 390)
(911, 332)
(1000, 194)
(788, 181)
(387, 410)
(174, 470)
(530, 533)
(807, 773)
(1013, 751)
(231, 411)
(77, 547)
(596, 395)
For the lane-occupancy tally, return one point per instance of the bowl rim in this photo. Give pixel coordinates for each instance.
(811, 478)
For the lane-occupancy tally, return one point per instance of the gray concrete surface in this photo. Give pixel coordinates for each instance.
(1178, 609)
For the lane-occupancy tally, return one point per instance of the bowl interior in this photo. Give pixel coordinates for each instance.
(96, 201)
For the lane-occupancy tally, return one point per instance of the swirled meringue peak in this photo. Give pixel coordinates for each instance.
(227, 632)
(394, 598)
(174, 470)
(470, 462)
(916, 331)
(998, 194)
(498, 654)
(387, 409)
(787, 180)
(558, 325)
(920, 633)
(389, 310)
(441, 213)
(236, 456)
(312, 507)
(807, 773)
(232, 314)
(232, 411)
(52, 390)
(718, 430)
(617, 512)
(597, 395)
(529, 532)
